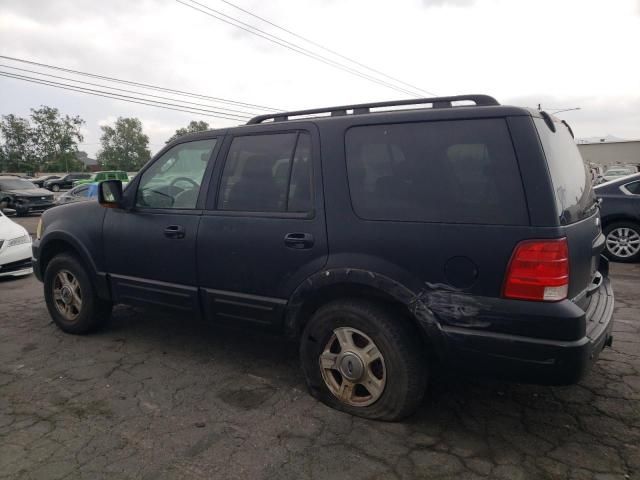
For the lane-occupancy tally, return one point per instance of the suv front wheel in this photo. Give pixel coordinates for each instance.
(360, 358)
(71, 297)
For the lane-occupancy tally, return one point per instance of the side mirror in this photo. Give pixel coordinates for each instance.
(110, 193)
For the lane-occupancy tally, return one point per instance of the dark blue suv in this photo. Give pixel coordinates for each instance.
(386, 240)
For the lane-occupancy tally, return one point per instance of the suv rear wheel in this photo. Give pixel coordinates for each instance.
(360, 358)
(623, 241)
(71, 297)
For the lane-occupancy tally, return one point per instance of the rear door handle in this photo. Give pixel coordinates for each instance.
(174, 231)
(298, 241)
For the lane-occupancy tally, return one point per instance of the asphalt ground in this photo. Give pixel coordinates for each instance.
(159, 395)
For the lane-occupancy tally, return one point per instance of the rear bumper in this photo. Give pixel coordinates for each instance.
(535, 360)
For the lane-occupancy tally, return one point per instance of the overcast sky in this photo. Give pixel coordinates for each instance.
(560, 53)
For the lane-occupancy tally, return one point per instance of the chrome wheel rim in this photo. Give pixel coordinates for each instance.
(67, 295)
(353, 367)
(623, 242)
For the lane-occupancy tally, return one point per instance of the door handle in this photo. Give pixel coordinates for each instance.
(298, 241)
(174, 231)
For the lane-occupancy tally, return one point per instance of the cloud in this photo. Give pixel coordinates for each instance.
(597, 117)
(448, 3)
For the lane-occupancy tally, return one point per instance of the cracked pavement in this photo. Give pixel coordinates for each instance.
(157, 395)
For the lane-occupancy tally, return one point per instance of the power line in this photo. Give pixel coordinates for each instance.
(326, 49)
(139, 84)
(115, 96)
(221, 109)
(291, 46)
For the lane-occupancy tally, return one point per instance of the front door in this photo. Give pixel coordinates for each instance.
(150, 249)
(263, 232)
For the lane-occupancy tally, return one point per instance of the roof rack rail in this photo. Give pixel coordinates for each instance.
(436, 102)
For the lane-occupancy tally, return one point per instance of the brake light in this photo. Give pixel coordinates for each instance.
(538, 270)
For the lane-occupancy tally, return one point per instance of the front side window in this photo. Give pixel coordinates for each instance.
(462, 171)
(267, 173)
(173, 181)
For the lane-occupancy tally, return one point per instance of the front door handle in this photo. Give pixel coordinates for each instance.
(298, 241)
(174, 231)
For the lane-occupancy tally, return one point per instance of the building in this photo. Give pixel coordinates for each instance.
(609, 154)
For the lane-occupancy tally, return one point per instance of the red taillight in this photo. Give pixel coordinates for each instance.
(538, 270)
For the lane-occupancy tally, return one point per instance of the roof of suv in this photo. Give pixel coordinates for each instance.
(461, 106)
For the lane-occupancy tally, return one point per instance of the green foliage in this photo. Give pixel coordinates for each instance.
(55, 139)
(193, 127)
(124, 146)
(17, 150)
(47, 142)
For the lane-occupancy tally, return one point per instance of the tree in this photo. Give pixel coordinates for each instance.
(124, 146)
(55, 139)
(18, 153)
(193, 127)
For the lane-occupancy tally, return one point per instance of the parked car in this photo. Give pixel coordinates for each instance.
(15, 249)
(385, 242)
(620, 213)
(102, 176)
(617, 172)
(39, 181)
(65, 182)
(81, 193)
(23, 196)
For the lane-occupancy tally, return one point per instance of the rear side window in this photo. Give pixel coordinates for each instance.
(571, 181)
(461, 171)
(633, 188)
(267, 173)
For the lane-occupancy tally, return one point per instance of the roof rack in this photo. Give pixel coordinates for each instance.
(436, 102)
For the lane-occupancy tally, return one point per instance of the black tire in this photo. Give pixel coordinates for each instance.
(610, 229)
(55, 188)
(94, 312)
(402, 349)
(21, 213)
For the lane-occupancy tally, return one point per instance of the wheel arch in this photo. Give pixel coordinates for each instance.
(57, 243)
(346, 283)
(620, 217)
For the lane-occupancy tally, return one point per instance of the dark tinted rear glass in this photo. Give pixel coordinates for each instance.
(571, 181)
(462, 171)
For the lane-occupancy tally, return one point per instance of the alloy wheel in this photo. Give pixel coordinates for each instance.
(623, 242)
(353, 367)
(67, 295)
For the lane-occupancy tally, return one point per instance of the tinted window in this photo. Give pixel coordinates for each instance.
(80, 191)
(454, 172)
(174, 179)
(267, 173)
(571, 181)
(633, 187)
(299, 198)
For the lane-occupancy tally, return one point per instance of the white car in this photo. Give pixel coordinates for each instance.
(15, 249)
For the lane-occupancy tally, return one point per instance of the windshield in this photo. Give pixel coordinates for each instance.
(16, 184)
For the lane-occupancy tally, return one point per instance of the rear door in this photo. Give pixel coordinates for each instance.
(575, 202)
(263, 232)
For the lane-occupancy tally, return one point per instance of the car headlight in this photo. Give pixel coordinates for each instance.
(19, 241)
(39, 229)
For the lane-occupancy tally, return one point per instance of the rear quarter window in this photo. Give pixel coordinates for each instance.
(569, 176)
(462, 171)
